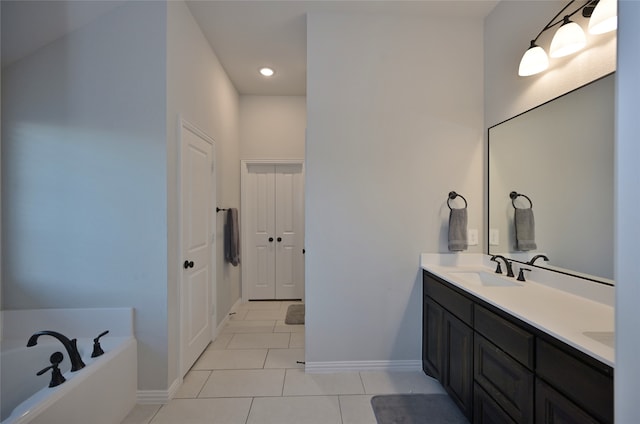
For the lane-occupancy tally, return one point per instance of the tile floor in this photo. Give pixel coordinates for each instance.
(250, 375)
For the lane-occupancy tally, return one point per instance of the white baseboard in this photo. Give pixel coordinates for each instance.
(164, 396)
(344, 366)
(158, 396)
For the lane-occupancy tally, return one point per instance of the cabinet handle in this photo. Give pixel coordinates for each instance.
(279, 239)
(188, 264)
(270, 239)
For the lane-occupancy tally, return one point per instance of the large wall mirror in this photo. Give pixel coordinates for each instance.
(559, 155)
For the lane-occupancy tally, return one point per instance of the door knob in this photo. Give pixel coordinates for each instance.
(188, 264)
(270, 239)
(279, 239)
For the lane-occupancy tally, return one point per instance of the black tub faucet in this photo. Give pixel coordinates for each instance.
(543, 257)
(507, 264)
(70, 345)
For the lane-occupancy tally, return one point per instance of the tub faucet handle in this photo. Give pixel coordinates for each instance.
(97, 349)
(56, 376)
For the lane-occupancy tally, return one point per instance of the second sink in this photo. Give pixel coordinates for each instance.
(481, 278)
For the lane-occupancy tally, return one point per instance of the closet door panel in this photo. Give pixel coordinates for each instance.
(289, 228)
(259, 266)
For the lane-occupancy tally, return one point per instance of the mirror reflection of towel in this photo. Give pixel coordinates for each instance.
(231, 238)
(458, 230)
(525, 229)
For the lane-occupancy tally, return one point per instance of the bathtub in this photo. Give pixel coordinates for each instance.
(104, 391)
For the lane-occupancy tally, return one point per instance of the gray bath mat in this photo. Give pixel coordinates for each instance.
(416, 409)
(295, 314)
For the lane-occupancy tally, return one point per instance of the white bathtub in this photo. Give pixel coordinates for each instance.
(104, 391)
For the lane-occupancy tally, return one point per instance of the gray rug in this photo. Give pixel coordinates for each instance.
(295, 314)
(416, 409)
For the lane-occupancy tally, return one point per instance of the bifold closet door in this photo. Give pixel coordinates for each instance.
(274, 263)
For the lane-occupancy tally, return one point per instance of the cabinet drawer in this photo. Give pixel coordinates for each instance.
(552, 407)
(453, 301)
(486, 410)
(509, 336)
(588, 387)
(508, 382)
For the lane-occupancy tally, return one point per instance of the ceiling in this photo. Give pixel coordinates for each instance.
(244, 34)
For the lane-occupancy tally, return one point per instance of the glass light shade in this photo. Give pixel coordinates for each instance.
(604, 17)
(533, 61)
(568, 39)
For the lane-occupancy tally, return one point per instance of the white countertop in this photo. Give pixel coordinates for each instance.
(560, 307)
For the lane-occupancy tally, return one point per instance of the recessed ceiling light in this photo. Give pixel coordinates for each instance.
(267, 72)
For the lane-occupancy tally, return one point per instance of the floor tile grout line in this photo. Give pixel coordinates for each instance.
(340, 410)
(364, 389)
(246, 421)
(153, 417)
(204, 384)
(284, 381)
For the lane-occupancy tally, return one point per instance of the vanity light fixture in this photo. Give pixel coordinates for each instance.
(604, 18)
(266, 72)
(570, 37)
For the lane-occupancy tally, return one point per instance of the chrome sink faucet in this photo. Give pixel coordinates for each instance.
(70, 345)
(507, 264)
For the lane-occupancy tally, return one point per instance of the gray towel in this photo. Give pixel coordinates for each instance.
(525, 229)
(458, 230)
(231, 238)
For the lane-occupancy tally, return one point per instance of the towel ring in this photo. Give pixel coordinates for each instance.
(453, 195)
(513, 195)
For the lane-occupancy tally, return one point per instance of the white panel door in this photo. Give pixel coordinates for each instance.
(273, 214)
(288, 229)
(197, 198)
(258, 267)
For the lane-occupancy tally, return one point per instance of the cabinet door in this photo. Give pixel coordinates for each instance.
(553, 408)
(432, 347)
(458, 365)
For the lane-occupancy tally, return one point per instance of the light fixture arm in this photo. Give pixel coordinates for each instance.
(551, 23)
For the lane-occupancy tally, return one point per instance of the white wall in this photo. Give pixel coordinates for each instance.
(394, 123)
(627, 377)
(84, 159)
(272, 127)
(198, 88)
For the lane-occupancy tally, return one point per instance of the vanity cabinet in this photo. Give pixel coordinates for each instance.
(448, 343)
(501, 370)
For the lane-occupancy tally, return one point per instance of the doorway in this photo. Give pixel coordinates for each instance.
(272, 225)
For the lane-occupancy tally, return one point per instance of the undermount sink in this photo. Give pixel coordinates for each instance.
(486, 279)
(605, 337)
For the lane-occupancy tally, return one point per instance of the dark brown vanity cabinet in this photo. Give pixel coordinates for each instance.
(500, 370)
(448, 344)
